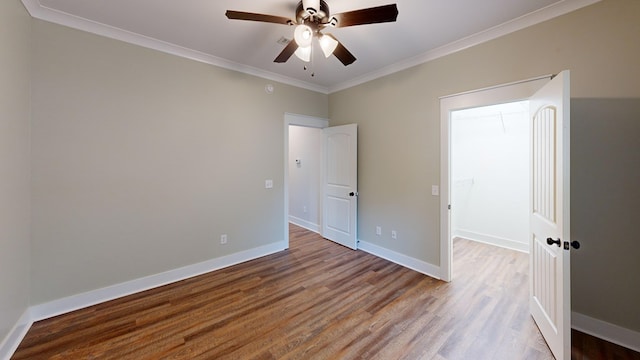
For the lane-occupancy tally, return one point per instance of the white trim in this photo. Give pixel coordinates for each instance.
(400, 259)
(58, 17)
(79, 301)
(41, 12)
(492, 240)
(11, 342)
(536, 17)
(606, 331)
(496, 87)
(304, 120)
(305, 224)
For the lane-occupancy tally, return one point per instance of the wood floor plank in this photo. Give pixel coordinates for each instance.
(319, 300)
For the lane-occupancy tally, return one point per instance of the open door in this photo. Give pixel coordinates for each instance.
(340, 181)
(550, 296)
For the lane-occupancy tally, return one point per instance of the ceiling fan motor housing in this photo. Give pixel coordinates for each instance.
(310, 15)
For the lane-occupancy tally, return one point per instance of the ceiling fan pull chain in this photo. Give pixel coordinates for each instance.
(312, 72)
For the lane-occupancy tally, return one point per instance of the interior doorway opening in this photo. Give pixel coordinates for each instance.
(295, 121)
(500, 94)
(490, 175)
(337, 220)
(305, 164)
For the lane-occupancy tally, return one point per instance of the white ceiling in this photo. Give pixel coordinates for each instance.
(198, 29)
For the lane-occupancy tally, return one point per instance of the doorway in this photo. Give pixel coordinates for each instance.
(338, 178)
(294, 121)
(549, 274)
(502, 94)
(490, 175)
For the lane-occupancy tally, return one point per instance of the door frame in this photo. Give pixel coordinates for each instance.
(296, 120)
(499, 94)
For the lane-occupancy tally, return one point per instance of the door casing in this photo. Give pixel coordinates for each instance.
(516, 91)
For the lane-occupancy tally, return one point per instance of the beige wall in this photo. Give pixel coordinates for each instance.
(15, 40)
(606, 172)
(398, 118)
(141, 160)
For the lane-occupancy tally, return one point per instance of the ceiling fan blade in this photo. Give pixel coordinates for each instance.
(379, 14)
(287, 52)
(343, 54)
(241, 15)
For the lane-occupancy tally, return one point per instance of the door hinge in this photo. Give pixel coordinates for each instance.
(449, 206)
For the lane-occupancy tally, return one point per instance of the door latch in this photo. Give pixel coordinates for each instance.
(574, 244)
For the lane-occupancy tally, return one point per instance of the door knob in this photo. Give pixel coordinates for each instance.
(353, 193)
(550, 241)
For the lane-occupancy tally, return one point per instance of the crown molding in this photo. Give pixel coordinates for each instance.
(47, 14)
(38, 11)
(533, 18)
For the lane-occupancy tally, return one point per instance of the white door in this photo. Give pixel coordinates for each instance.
(550, 299)
(340, 176)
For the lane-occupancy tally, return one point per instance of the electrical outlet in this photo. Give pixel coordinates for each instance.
(394, 234)
(304, 209)
(378, 230)
(223, 239)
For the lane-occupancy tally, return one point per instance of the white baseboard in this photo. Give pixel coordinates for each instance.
(400, 259)
(607, 331)
(305, 224)
(15, 336)
(492, 240)
(79, 301)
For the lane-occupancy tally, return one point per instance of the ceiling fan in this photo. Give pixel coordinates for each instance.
(312, 17)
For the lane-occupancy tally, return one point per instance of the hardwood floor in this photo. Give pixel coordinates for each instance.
(317, 300)
(585, 347)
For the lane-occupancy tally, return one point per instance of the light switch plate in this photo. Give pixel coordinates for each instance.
(268, 184)
(435, 190)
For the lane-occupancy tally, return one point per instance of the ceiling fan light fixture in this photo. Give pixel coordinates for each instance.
(303, 35)
(304, 53)
(328, 44)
